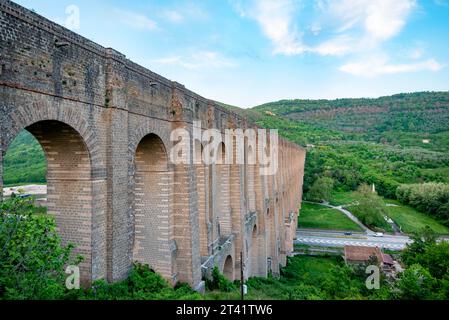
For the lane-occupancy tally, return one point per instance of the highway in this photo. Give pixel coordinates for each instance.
(329, 238)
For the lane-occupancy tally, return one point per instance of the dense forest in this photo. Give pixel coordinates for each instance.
(410, 117)
(390, 142)
(25, 161)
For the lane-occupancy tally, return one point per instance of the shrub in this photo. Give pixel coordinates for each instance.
(219, 282)
(143, 283)
(415, 283)
(370, 209)
(32, 259)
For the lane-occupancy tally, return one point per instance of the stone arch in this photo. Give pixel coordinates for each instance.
(271, 234)
(70, 188)
(25, 110)
(221, 154)
(149, 127)
(254, 252)
(203, 191)
(223, 192)
(24, 116)
(151, 206)
(250, 194)
(228, 268)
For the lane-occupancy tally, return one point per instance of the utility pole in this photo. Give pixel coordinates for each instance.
(241, 275)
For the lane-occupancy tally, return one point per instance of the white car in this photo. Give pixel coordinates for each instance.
(378, 234)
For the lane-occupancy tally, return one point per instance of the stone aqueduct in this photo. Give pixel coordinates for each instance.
(104, 123)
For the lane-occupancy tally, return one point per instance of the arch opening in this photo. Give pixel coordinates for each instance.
(223, 194)
(151, 206)
(250, 194)
(228, 268)
(59, 177)
(202, 188)
(254, 252)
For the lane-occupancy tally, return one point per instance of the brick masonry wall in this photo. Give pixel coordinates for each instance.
(105, 123)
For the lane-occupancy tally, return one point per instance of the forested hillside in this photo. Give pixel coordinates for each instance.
(389, 142)
(24, 162)
(405, 119)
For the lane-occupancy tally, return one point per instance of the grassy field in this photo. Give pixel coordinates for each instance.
(320, 217)
(340, 198)
(411, 220)
(408, 218)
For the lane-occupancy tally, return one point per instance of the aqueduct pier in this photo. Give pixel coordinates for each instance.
(104, 124)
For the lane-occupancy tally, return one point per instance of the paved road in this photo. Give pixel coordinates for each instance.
(326, 238)
(33, 189)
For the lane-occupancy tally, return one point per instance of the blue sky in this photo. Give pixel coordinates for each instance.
(248, 52)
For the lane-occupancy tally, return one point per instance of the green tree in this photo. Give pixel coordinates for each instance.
(431, 198)
(420, 241)
(436, 259)
(415, 283)
(370, 209)
(321, 189)
(32, 259)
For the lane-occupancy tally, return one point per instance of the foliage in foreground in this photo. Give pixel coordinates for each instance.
(316, 278)
(219, 282)
(142, 284)
(427, 272)
(32, 259)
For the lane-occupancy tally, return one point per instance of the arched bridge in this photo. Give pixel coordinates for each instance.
(104, 124)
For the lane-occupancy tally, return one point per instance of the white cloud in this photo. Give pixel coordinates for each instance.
(385, 19)
(337, 46)
(184, 12)
(136, 20)
(375, 66)
(173, 16)
(367, 23)
(373, 21)
(355, 29)
(276, 19)
(197, 60)
(315, 28)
